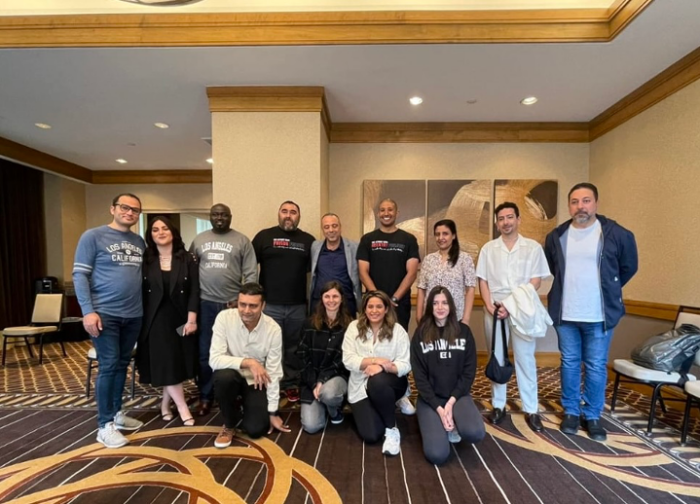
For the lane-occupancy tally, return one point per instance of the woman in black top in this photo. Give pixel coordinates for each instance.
(170, 302)
(443, 359)
(323, 376)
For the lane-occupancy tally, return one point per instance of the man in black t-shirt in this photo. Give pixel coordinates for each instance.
(284, 255)
(388, 260)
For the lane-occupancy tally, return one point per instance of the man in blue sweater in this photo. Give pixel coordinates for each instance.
(592, 258)
(107, 280)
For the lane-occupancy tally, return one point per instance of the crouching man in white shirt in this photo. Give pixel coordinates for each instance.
(246, 356)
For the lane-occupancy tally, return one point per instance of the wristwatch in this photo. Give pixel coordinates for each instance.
(395, 300)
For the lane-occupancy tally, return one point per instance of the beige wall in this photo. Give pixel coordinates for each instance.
(191, 198)
(264, 158)
(65, 219)
(353, 163)
(648, 175)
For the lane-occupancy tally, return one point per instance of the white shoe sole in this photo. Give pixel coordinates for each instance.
(126, 442)
(221, 445)
(127, 428)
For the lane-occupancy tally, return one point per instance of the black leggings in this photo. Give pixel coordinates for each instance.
(229, 384)
(378, 411)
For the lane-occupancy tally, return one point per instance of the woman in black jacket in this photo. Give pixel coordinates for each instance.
(323, 376)
(443, 359)
(167, 348)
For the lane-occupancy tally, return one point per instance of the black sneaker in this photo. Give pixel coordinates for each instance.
(595, 431)
(570, 424)
(338, 418)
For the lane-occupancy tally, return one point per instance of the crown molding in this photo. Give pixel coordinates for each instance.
(151, 177)
(319, 28)
(40, 160)
(458, 132)
(271, 99)
(674, 78)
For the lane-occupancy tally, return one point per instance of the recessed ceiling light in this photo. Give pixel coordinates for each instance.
(42, 125)
(161, 125)
(121, 161)
(530, 100)
(416, 100)
(210, 160)
(471, 102)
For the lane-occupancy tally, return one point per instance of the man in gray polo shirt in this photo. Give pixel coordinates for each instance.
(226, 261)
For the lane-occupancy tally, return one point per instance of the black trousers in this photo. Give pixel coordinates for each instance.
(378, 411)
(403, 311)
(229, 385)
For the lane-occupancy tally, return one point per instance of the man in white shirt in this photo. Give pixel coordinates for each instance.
(504, 264)
(246, 356)
(592, 258)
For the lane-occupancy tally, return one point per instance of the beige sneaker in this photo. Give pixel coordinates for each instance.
(124, 422)
(225, 437)
(111, 437)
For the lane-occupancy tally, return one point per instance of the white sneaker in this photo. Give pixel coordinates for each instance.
(111, 437)
(123, 422)
(405, 406)
(392, 442)
(454, 437)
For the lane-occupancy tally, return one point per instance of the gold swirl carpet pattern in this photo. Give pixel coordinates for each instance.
(49, 454)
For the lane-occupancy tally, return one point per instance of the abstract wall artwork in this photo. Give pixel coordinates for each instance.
(409, 196)
(468, 203)
(537, 201)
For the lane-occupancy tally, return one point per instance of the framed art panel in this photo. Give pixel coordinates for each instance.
(468, 204)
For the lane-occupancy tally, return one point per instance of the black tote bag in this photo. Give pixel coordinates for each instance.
(494, 371)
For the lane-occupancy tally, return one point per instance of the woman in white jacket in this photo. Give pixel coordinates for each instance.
(376, 351)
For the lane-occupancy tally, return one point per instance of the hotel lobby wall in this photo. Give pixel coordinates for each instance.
(264, 158)
(648, 174)
(154, 197)
(353, 163)
(65, 219)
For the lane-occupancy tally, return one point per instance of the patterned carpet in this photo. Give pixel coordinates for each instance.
(47, 430)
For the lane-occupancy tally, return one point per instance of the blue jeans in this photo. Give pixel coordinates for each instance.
(585, 342)
(113, 346)
(290, 319)
(208, 311)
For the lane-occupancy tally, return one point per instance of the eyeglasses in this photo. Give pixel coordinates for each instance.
(126, 208)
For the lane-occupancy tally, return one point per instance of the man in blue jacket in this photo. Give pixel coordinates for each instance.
(592, 258)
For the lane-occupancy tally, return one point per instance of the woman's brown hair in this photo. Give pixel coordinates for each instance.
(386, 331)
(320, 315)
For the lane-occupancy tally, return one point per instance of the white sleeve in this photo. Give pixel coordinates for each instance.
(351, 359)
(402, 361)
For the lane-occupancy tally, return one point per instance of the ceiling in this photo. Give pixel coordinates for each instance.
(102, 103)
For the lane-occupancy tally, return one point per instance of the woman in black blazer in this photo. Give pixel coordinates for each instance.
(167, 349)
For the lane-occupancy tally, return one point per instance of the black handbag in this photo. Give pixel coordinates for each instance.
(494, 371)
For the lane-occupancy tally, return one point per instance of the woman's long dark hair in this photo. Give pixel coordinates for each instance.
(387, 329)
(151, 253)
(453, 254)
(428, 327)
(342, 319)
